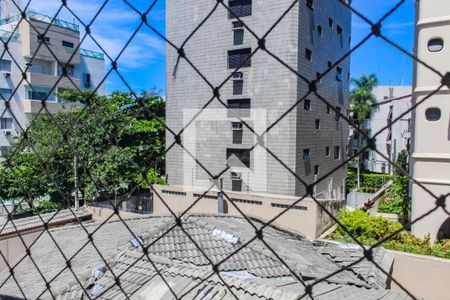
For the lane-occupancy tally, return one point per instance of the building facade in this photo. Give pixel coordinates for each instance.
(310, 139)
(430, 162)
(31, 72)
(392, 103)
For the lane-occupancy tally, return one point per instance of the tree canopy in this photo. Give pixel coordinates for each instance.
(118, 142)
(361, 97)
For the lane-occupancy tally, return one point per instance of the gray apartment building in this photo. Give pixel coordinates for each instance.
(310, 140)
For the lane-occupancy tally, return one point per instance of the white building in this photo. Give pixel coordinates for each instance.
(30, 72)
(392, 103)
(430, 162)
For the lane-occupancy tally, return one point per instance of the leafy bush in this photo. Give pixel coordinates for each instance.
(370, 183)
(370, 230)
(396, 200)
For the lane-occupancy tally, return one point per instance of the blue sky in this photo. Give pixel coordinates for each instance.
(143, 62)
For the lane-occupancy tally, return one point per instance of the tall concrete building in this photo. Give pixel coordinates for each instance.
(392, 102)
(431, 129)
(85, 68)
(311, 139)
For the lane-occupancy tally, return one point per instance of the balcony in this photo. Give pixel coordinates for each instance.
(57, 22)
(35, 106)
(40, 79)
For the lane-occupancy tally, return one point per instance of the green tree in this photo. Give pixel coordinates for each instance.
(115, 138)
(402, 160)
(361, 97)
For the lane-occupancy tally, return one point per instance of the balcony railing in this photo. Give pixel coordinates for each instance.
(56, 22)
(93, 54)
(5, 35)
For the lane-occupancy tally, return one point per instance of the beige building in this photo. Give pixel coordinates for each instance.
(430, 163)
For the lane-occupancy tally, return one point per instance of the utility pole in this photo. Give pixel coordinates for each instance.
(75, 172)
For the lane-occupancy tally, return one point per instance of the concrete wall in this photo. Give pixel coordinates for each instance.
(424, 276)
(307, 219)
(13, 248)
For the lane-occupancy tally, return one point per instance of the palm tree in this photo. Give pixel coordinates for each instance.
(361, 103)
(361, 97)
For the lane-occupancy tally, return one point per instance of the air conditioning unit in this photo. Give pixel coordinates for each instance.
(237, 25)
(7, 132)
(238, 76)
(236, 126)
(6, 74)
(235, 176)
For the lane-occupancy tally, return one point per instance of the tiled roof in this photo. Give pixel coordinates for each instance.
(253, 272)
(53, 219)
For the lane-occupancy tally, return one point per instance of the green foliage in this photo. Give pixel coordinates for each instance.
(396, 200)
(361, 97)
(370, 230)
(115, 139)
(402, 160)
(370, 183)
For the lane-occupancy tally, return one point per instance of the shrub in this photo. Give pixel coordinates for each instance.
(370, 230)
(370, 183)
(397, 199)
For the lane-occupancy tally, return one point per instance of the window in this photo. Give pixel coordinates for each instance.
(338, 114)
(307, 104)
(319, 77)
(320, 30)
(238, 37)
(341, 36)
(337, 152)
(239, 58)
(310, 4)
(316, 170)
(46, 39)
(339, 74)
(240, 8)
(433, 114)
(330, 64)
(6, 93)
(68, 44)
(238, 24)
(240, 107)
(306, 154)
(308, 54)
(317, 123)
(5, 65)
(6, 123)
(435, 45)
(339, 30)
(284, 206)
(87, 80)
(238, 86)
(39, 93)
(328, 109)
(242, 155)
(330, 22)
(327, 151)
(69, 68)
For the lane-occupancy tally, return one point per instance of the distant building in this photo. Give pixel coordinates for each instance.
(24, 92)
(392, 102)
(311, 140)
(430, 162)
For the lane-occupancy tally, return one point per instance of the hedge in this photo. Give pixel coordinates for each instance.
(370, 183)
(370, 230)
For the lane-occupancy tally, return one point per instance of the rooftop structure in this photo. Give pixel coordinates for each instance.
(253, 272)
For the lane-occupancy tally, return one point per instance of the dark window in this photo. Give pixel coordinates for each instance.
(238, 37)
(68, 44)
(238, 86)
(327, 151)
(236, 185)
(306, 154)
(341, 36)
(339, 74)
(337, 152)
(435, 45)
(240, 107)
(5, 93)
(320, 30)
(87, 80)
(328, 109)
(338, 114)
(308, 54)
(238, 24)
(6, 123)
(5, 65)
(240, 8)
(46, 39)
(433, 114)
(338, 29)
(307, 104)
(239, 58)
(330, 22)
(243, 155)
(310, 4)
(319, 77)
(330, 64)
(316, 170)
(317, 124)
